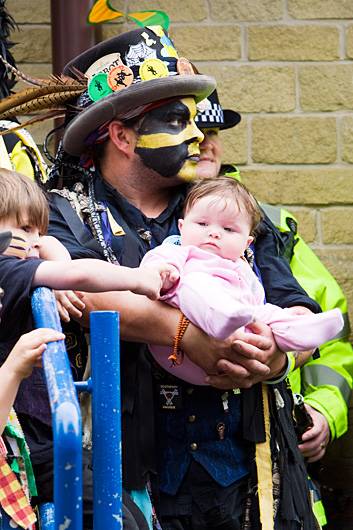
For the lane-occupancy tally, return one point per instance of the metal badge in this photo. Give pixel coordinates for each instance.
(153, 69)
(98, 87)
(120, 77)
(184, 67)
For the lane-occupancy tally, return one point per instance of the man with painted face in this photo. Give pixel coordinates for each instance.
(125, 159)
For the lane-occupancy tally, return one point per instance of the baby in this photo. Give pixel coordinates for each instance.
(214, 286)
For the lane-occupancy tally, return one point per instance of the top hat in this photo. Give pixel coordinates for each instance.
(211, 114)
(126, 73)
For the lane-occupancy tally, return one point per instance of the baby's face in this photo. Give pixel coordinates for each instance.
(25, 238)
(215, 224)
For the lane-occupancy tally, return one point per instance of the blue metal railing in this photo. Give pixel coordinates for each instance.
(67, 428)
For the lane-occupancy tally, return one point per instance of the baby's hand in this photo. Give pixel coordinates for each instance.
(169, 278)
(69, 303)
(28, 351)
(153, 279)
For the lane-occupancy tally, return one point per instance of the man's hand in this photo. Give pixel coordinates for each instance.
(315, 439)
(240, 361)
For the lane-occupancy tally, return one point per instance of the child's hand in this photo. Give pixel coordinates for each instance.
(154, 278)
(169, 278)
(28, 351)
(69, 303)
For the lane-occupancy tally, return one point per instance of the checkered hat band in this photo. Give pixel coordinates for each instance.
(212, 115)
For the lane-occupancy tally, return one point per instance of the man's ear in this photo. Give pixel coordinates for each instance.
(180, 224)
(124, 138)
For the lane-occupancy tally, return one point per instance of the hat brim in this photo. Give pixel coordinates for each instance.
(197, 86)
(231, 119)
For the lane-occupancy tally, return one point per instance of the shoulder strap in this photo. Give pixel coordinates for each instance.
(83, 236)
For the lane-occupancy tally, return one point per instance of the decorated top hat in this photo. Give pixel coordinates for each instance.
(125, 74)
(211, 114)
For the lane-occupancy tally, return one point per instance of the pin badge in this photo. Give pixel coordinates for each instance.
(153, 69)
(184, 67)
(98, 87)
(120, 77)
(103, 64)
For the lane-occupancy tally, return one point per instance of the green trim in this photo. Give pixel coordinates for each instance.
(318, 375)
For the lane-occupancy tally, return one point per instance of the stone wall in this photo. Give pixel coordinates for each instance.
(286, 65)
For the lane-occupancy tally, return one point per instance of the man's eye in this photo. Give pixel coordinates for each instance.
(178, 121)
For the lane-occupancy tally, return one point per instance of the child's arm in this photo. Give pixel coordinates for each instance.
(96, 276)
(68, 302)
(26, 354)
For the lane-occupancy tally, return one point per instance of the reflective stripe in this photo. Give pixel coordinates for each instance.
(319, 375)
(345, 331)
(273, 212)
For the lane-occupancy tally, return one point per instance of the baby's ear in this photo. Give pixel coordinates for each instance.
(180, 224)
(250, 240)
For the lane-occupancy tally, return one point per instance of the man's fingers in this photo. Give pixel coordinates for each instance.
(249, 366)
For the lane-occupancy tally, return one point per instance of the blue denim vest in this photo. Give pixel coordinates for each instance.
(200, 428)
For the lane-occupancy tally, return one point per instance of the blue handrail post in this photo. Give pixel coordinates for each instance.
(66, 417)
(106, 427)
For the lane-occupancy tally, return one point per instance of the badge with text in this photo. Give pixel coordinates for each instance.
(170, 397)
(104, 64)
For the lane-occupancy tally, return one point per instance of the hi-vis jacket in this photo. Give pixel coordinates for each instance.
(326, 382)
(19, 152)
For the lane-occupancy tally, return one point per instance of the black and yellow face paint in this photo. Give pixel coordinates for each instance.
(168, 139)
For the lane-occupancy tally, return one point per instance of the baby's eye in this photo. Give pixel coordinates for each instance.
(26, 228)
(202, 223)
(228, 229)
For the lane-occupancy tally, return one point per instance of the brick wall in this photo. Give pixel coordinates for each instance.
(286, 65)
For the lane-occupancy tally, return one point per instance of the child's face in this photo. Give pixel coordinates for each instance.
(25, 238)
(215, 224)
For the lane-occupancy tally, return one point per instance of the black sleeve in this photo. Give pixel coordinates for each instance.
(59, 228)
(280, 286)
(16, 277)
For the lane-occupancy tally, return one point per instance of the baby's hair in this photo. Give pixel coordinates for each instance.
(224, 187)
(22, 199)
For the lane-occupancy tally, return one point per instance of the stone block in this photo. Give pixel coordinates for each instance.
(34, 45)
(235, 147)
(349, 42)
(304, 140)
(254, 88)
(229, 10)
(208, 43)
(320, 9)
(337, 226)
(25, 12)
(181, 11)
(309, 187)
(293, 43)
(306, 218)
(347, 139)
(326, 87)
